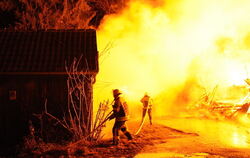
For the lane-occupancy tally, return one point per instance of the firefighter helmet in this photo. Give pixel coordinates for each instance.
(116, 92)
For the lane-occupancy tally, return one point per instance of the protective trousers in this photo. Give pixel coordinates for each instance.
(149, 114)
(120, 125)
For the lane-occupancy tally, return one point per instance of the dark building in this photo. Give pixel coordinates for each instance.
(32, 72)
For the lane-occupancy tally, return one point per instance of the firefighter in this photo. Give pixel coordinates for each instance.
(120, 113)
(147, 107)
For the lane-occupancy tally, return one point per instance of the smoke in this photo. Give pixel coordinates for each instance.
(174, 50)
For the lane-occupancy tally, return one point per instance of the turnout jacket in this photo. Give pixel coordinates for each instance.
(147, 102)
(120, 109)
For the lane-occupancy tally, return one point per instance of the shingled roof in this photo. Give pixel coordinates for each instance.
(46, 52)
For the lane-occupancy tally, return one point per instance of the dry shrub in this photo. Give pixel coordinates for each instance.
(50, 14)
(77, 123)
(65, 14)
(6, 5)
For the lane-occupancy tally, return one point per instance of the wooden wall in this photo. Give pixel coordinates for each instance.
(31, 93)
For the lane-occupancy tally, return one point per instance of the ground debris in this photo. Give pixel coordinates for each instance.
(150, 135)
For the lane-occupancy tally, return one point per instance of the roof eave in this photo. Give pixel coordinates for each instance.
(49, 73)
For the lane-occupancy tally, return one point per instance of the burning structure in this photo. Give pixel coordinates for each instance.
(179, 51)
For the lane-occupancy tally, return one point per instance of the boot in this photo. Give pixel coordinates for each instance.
(115, 142)
(128, 135)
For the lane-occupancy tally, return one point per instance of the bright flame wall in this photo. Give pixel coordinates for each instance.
(172, 48)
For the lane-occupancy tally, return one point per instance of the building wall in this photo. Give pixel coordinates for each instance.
(22, 96)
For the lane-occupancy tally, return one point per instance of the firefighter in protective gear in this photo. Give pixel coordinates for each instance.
(147, 107)
(120, 113)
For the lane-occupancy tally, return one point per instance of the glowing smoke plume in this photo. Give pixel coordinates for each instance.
(172, 49)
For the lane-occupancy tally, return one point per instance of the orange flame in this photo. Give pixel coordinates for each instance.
(173, 49)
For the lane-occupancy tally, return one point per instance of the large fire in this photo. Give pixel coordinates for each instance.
(175, 50)
(161, 48)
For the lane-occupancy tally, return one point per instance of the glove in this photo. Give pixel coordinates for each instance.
(111, 117)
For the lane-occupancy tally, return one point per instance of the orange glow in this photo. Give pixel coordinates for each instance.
(174, 51)
(154, 47)
(239, 140)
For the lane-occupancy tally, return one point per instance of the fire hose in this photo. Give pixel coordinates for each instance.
(110, 113)
(108, 116)
(143, 120)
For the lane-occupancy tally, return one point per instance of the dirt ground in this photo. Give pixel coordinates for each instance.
(215, 139)
(160, 140)
(149, 136)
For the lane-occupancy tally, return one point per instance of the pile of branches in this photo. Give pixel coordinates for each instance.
(208, 107)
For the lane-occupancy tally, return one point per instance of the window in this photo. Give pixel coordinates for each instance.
(12, 95)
